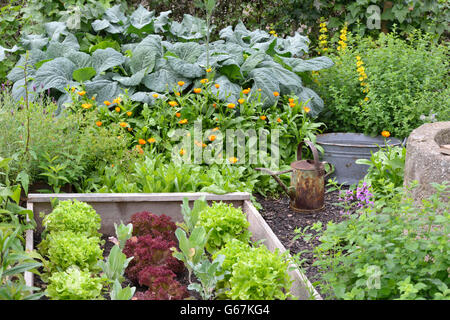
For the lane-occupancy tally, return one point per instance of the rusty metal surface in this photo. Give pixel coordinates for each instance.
(309, 191)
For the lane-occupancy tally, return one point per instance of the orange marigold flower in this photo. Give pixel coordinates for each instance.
(123, 124)
(263, 117)
(184, 121)
(98, 123)
(291, 100)
(214, 105)
(181, 83)
(81, 93)
(129, 113)
(182, 152)
(204, 81)
(217, 86)
(151, 140)
(177, 94)
(107, 103)
(385, 133)
(139, 148)
(93, 98)
(246, 91)
(208, 70)
(86, 105)
(117, 100)
(276, 93)
(197, 90)
(233, 159)
(279, 120)
(212, 137)
(306, 109)
(241, 101)
(231, 105)
(203, 145)
(130, 129)
(177, 114)
(215, 129)
(142, 141)
(292, 104)
(117, 109)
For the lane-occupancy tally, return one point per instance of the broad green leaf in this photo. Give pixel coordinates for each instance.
(228, 91)
(141, 17)
(104, 59)
(134, 80)
(162, 80)
(80, 59)
(315, 102)
(105, 44)
(84, 74)
(33, 41)
(190, 28)
(145, 97)
(99, 25)
(143, 58)
(55, 74)
(252, 61)
(115, 15)
(263, 78)
(103, 89)
(315, 64)
(185, 69)
(189, 51)
(231, 69)
(161, 21)
(55, 29)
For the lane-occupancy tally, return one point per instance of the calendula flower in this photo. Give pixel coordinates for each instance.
(279, 120)
(259, 90)
(217, 86)
(173, 103)
(177, 94)
(214, 105)
(246, 91)
(231, 106)
(86, 105)
(151, 140)
(208, 70)
(129, 113)
(73, 89)
(197, 90)
(182, 152)
(142, 141)
(139, 148)
(241, 101)
(155, 95)
(117, 100)
(184, 121)
(292, 104)
(366, 99)
(306, 109)
(276, 93)
(117, 109)
(212, 137)
(107, 103)
(263, 118)
(130, 129)
(98, 123)
(93, 98)
(232, 159)
(204, 81)
(81, 93)
(291, 100)
(215, 129)
(123, 124)
(203, 145)
(181, 83)
(385, 133)
(177, 114)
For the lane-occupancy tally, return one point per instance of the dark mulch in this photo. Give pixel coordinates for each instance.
(283, 221)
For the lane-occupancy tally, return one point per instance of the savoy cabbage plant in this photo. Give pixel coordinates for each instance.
(144, 53)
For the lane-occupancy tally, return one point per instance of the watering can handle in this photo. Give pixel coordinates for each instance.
(315, 154)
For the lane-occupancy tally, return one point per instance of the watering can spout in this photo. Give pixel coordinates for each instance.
(290, 191)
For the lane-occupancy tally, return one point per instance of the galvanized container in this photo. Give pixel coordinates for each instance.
(342, 150)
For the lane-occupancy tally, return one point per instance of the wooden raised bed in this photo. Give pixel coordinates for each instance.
(116, 207)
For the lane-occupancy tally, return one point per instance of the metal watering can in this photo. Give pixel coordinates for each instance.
(307, 189)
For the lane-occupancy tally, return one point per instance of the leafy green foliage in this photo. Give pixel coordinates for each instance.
(406, 83)
(73, 215)
(123, 233)
(66, 248)
(119, 293)
(209, 274)
(398, 250)
(114, 266)
(223, 222)
(74, 284)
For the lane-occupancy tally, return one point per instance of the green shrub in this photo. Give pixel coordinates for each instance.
(398, 250)
(78, 217)
(255, 272)
(223, 222)
(74, 284)
(407, 80)
(66, 248)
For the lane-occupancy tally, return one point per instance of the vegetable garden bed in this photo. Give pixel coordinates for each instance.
(117, 207)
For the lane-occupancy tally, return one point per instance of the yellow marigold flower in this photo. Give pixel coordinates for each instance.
(81, 93)
(275, 35)
(385, 133)
(276, 93)
(107, 103)
(117, 100)
(246, 91)
(259, 90)
(272, 32)
(217, 86)
(291, 100)
(86, 105)
(173, 103)
(155, 95)
(117, 109)
(98, 123)
(181, 83)
(263, 118)
(204, 81)
(241, 101)
(142, 141)
(231, 105)
(197, 90)
(208, 70)
(366, 99)
(182, 152)
(233, 159)
(151, 140)
(184, 121)
(123, 124)
(212, 137)
(73, 89)
(307, 110)
(129, 113)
